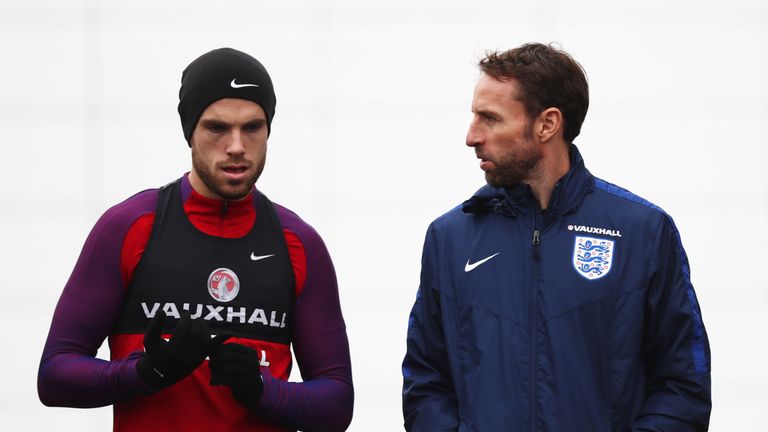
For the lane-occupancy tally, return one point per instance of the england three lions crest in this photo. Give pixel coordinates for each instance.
(592, 257)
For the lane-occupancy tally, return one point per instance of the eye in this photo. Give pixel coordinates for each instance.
(254, 126)
(215, 128)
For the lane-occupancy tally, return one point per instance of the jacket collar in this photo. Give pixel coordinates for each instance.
(512, 201)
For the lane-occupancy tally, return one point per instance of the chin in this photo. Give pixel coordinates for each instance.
(492, 180)
(230, 192)
(235, 194)
(499, 182)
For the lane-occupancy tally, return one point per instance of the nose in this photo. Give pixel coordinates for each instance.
(236, 145)
(474, 137)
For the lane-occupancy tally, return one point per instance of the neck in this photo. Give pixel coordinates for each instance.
(554, 164)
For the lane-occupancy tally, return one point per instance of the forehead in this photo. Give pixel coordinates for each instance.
(232, 109)
(493, 93)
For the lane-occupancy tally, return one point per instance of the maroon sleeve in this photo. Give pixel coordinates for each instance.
(70, 374)
(324, 400)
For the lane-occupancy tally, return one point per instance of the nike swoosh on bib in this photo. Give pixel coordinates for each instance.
(256, 258)
(469, 267)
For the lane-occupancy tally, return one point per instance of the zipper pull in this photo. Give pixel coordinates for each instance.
(224, 208)
(536, 239)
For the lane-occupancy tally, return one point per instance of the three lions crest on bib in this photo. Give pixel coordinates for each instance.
(592, 257)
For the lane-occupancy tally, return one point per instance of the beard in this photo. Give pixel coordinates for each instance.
(515, 166)
(226, 189)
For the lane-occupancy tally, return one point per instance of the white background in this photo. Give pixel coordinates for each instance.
(368, 147)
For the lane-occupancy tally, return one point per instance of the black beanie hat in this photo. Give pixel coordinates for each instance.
(218, 74)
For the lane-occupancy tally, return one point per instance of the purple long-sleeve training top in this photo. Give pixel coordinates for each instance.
(70, 374)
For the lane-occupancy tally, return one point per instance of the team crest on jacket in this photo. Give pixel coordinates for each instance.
(223, 285)
(592, 257)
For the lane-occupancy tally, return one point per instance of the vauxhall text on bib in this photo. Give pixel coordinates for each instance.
(243, 286)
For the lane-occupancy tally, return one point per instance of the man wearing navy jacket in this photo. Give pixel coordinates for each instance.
(551, 300)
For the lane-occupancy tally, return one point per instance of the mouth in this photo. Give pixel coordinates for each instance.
(485, 164)
(235, 171)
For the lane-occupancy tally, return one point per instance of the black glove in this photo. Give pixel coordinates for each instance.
(166, 363)
(237, 366)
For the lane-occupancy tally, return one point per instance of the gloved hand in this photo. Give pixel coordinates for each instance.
(237, 366)
(167, 362)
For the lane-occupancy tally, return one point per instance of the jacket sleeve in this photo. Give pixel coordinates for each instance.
(675, 346)
(324, 400)
(429, 397)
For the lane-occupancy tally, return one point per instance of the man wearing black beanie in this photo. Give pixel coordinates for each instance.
(203, 285)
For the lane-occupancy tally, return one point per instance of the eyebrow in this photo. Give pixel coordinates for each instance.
(210, 121)
(216, 121)
(487, 112)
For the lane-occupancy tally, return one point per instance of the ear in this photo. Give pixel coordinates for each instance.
(549, 124)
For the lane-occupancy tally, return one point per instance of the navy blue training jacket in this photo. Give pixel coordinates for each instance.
(578, 318)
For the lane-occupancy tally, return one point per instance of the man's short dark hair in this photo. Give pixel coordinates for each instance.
(548, 77)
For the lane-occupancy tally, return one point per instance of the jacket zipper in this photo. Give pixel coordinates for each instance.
(536, 241)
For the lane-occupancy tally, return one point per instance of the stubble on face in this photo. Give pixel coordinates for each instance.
(516, 165)
(226, 189)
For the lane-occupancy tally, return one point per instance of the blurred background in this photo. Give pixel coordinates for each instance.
(368, 147)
